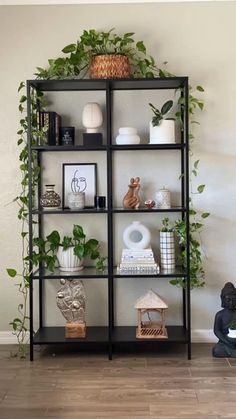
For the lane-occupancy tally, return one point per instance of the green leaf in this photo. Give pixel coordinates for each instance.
(200, 88)
(166, 107)
(201, 105)
(69, 48)
(201, 188)
(196, 164)
(54, 239)
(192, 212)
(20, 141)
(79, 250)
(66, 242)
(11, 272)
(22, 84)
(205, 214)
(78, 232)
(140, 46)
(23, 99)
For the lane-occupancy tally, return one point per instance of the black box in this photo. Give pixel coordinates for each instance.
(92, 139)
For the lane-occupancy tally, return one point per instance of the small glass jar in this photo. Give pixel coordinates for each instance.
(76, 200)
(50, 199)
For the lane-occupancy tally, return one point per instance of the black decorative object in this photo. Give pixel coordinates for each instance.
(67, 135)
(226, 346)
(100, 202)
(92, 139)
(52, 121)
(79, 177)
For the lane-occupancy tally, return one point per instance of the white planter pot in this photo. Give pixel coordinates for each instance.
(68, 262)
(162, 134)
(167, 251)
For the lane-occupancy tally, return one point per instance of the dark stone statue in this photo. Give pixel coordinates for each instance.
(226, 347)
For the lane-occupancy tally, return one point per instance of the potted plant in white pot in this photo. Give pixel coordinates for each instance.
(167, 246)
(68, 252)
(232, 329)
(162, 129)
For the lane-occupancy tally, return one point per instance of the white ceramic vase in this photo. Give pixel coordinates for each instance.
(136, 236)
(68, 261)
(162, 134)
(92, 117)
(127, 135)
(167, 251)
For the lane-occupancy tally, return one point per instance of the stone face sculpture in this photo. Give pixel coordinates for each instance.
(226, 346)
(71, 300)
(131, 199)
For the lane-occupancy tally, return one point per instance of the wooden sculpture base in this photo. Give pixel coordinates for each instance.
(75, 330)
(151, 332)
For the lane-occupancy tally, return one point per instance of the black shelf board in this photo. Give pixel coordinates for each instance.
(86, 273)
(56, 335)
(145, 84)
(69, 211)
(124, 210)
(177, 273)
(127, 334)
(127, 147)
(68, 85)
(68, 148)
(118, 84)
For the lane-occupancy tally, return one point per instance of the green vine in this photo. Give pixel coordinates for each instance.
(75, 63)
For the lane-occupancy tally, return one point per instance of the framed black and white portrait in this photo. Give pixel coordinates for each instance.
(79, 177)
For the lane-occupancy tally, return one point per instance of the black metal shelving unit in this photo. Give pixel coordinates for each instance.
(109, 337)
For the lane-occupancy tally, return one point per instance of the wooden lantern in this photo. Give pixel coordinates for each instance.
(151, 303)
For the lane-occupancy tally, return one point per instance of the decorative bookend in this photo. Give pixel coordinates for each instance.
(71, 300)
(151, 303)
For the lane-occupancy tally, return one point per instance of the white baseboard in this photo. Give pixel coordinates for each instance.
(203, 336)
(198, 335)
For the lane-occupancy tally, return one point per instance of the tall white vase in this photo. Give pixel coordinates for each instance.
(68, 261)
(167, 251)
(92, 117)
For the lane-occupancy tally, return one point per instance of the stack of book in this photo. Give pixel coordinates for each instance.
(138, 261)
(52, 121)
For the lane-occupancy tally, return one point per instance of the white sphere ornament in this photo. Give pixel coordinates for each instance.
(92, 117)
(136, 236)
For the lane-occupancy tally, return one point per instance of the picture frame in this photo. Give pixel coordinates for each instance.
(79, 177)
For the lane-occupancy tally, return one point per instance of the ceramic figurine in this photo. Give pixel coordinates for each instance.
(226, 346)
(131, 199)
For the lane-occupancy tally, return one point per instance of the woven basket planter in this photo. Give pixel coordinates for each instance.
(110, 67)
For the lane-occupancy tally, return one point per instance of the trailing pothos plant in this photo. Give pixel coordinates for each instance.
(73, 64)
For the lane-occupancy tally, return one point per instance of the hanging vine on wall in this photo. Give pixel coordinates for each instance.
(75, 64)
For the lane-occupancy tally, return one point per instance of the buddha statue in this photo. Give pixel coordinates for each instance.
(226, 346)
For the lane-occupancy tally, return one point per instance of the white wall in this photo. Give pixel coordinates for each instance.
(197, 39)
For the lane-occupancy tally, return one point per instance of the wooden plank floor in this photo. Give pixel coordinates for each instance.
(67, 385)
